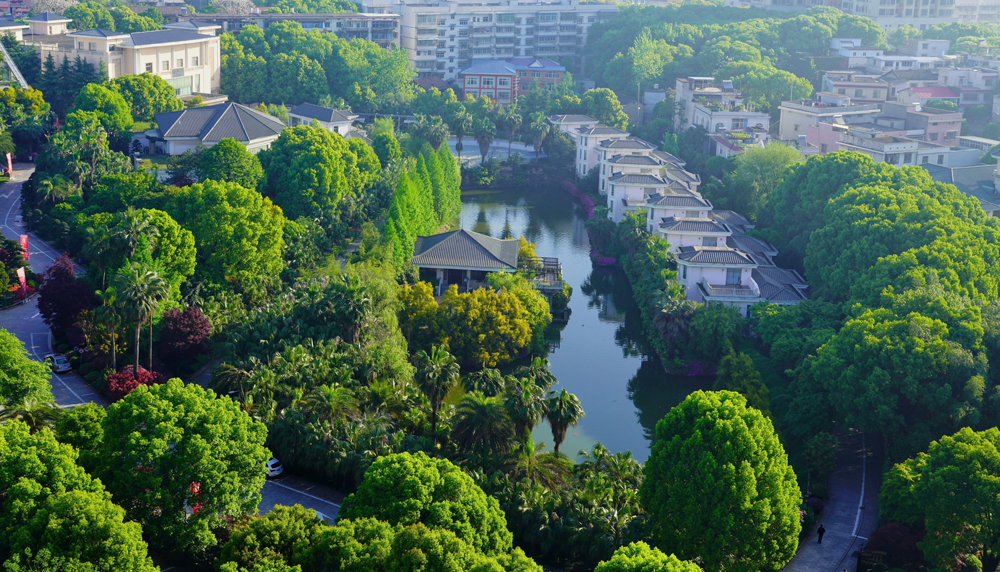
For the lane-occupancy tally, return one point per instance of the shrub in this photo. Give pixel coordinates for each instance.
(123, 382)
(816, 505)
(62, 348)
(84, 369)
(184, 334)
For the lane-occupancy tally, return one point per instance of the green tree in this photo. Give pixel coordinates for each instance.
(37, 415)
(481, 424)
(89, 15)
(142, 290)
(386, 148)
(407, 489)
(308, 168)
(737, 373)
(358, 545)
(295, 78)
(759, 171)
(954, 488)
(21, 378)
(284, 534)
(82, 427)
(437, 374)
(111, 109)
(229, 161)
(81, 151)
(146, 95)
(238, 232)
(51, 504)
(563, 410)
(718, 486)
(714, 329)
(602, 104)
(462, 124)
(174, 447)
(539, 129)
(639, 557)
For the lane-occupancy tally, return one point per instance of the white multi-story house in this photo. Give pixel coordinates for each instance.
(885, 64)
(860, 87)
(715, 106)
(854, 51)
(587, 141)
(798, 116)
(569, 124)
(443, 36)
(925, 48)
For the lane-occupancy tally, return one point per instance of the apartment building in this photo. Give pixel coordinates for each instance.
(925, 48)
(715, 106)
(853, 51)
(973, 86)
(885, 64)
(188, 61)
(796, 117)
(587, 140)
(542, 71)
(915, 123)
(383, 29)
(442, 37)
(898, 151)
(569, 124)
(861, 87)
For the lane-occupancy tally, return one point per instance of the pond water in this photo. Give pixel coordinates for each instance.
(601, 353)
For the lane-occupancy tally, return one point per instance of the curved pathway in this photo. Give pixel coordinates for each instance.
(850, 513)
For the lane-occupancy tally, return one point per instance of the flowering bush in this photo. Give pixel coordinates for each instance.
(123, 382)
(602, 260)
(584, 198)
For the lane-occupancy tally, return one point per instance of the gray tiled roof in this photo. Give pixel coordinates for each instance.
(48, 17)
(9, 23)
(626, 143)
(98, 33)
(669, 158)
(164, 37)
(781, 276)
(634, 179)
(321, 113)
(464, 249)
(635, 160)
(600, 129)
(499, 67)
(570, 118)
(775, 284)
(751, 244)
(216, 122)
(191, 25)
(693, 225)
(733, 218)
(714, 255)
(679, 200)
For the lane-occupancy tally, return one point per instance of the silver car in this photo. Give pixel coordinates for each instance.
(274, 468)
(58, 363)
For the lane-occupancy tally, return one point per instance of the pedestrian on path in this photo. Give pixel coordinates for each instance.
(820, 532)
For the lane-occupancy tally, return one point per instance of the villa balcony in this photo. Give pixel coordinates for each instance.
(730, 290)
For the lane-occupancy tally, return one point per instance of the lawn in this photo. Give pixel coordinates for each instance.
(156, 162)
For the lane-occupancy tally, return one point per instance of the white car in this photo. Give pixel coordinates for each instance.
(274, 468)
(323, 517)
(58, 363)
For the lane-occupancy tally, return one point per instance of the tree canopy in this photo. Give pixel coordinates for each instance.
(639, 557)
(21, 378)
(231, 162)
(145, 94)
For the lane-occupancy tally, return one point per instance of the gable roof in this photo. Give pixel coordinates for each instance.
(216, 122)
(165, 37)
(600, 129)
(192, 25)
(464, 249)
(326, 114)
(535, 64)
(97, 33)
(634, 179)
(751, 244)
(498, 67)
(685, 200)
(626, 143)
(9, 23)
(48, 17)
(714, 255)
(571, 119)
(975, 181)
(935, 91)
(733, 219)
(673, 224)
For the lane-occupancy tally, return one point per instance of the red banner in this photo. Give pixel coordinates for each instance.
(21, 277)
(24, 246)
(10, 166)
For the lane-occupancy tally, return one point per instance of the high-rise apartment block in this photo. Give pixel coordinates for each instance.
(443, 36)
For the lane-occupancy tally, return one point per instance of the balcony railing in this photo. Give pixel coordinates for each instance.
(732, 290)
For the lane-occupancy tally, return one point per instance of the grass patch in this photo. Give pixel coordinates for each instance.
(142, 126)
(161, 162)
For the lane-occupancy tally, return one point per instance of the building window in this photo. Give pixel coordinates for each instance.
(149, 68)
(472, 81)
(165, 66)
(194, 60)
(536, 74)
(940, 159)
(907, 157)
(487, 82)
(841, 91)
(92, 46)
(876, 94)
(684, 272)
(796, 126)
(932, 136)
(732, 276)
(551, 74)
(503, 82)
(691, 214)
(950, 134)
(924, 160)
(708, 241)
(180, 62)
(822, 148)
(859, 93)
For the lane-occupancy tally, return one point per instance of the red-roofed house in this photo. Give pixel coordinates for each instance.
(922, 95)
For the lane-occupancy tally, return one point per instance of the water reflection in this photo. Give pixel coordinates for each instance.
(601, 355)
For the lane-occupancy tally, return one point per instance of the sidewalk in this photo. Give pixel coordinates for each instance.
(856, 474)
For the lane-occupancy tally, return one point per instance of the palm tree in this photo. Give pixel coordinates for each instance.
(99, 249)
(672, 319)
(547, 469)
(132, 226)
(539, 130)
(482, 423)
(110, 312)
(512, 121)
(462, 122)
(141, 290)
(525, 404)
(432, 130)
(438, 373)
(55, 189)
(563, 410)
(34, 413)
(537, 371)
(332, 403)
(490, 382)
(485, 132)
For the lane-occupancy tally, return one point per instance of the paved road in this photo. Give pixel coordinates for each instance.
(470, 156)
(850, 514)
(70, 390)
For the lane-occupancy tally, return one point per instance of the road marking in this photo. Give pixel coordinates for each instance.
(66, 385)
(277, 484)
(35, 316)
(864, 468)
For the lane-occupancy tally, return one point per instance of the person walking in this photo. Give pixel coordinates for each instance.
(820, 532)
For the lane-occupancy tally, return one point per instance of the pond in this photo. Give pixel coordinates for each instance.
(601, 353)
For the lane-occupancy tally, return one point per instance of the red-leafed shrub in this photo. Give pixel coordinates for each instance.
(899, 542)
(184, 334)
(816, 504)
(122, 383)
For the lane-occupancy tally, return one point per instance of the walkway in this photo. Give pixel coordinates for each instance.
(850, 513)
(470, 156)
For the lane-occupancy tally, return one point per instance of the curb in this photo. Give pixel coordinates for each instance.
(13, 306)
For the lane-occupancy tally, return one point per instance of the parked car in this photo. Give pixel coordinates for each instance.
(323, 517)
(274, 468)
(58, 363)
